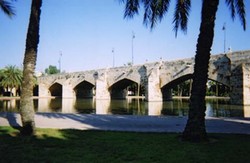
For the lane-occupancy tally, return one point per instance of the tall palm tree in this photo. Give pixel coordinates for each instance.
(195, 129)
(7, 8)
(11, 77)
(29, 63)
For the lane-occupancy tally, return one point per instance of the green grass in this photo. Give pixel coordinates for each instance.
(51, 145)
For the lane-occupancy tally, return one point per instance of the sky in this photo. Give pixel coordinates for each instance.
(93, 34)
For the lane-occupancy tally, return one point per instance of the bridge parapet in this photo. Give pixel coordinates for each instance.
(126, 72)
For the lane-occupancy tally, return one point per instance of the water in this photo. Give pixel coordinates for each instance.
(177, 107)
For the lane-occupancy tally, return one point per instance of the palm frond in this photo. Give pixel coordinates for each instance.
(240, 7)
(148, 13)
(181, 14)
(11, 77)
(131, 8)
(7, 8)
(230, 4)
(154, 11)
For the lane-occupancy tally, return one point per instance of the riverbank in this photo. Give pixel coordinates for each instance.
(126, 122)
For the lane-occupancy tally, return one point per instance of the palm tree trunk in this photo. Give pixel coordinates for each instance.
(32, 40)
(195, 129)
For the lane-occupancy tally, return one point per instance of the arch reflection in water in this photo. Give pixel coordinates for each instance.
(209, 110)
(85, 106)
(177, 107)
(9, 105)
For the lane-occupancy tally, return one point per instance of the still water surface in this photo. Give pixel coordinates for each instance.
(177, 107)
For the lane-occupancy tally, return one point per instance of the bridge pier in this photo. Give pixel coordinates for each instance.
(153, 89)
(240, 85)
(68, 91)
(43, 90)
(102, 92)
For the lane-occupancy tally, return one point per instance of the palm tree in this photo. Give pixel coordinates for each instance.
(195, 129)
(11, 77)
(30, 56)
(7, 8)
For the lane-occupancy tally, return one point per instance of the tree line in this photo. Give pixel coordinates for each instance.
(11, 79)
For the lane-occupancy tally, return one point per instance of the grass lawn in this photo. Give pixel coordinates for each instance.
(50, 145)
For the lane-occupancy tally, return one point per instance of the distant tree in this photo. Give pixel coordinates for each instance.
(11, 77)
(1, 74)
(128, 64)
(1, 77)
(7, 8)
(52, 70)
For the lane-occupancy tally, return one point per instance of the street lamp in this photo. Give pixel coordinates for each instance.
(59, 61)
(113, 52)
(224, 29)
(133, 36)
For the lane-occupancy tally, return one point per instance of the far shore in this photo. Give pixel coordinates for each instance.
(18, 97)
(128, 97)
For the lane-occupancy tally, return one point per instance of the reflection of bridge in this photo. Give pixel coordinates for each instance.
(153, 80)
(135, 107)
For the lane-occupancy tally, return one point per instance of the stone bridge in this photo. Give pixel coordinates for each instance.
(152, 80)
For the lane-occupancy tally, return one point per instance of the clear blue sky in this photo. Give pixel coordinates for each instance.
(86, 31)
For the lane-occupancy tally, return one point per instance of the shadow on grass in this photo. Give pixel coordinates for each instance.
(101, 146)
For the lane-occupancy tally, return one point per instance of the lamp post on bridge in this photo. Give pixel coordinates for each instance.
(59, 61)
(224, 29)
(113, 53)
(133, 37)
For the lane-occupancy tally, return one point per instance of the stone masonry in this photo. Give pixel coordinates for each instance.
(232, 69)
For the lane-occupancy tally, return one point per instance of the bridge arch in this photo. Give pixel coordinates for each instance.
(166, 89)
(223, 81)
(122, 88)
(177, 81)
(36, 90)
(84, 89)
(56, 90)
(217, 88)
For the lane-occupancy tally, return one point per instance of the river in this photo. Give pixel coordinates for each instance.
(177, 107)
